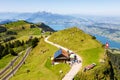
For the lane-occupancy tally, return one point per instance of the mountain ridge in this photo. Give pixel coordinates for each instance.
(94, 25)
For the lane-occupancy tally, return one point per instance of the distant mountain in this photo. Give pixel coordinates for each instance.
(105, 26)
(6, 21)
(46, 17)
(23, 16)
(8, 15)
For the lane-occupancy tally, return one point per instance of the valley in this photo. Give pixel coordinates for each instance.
(108, 27)
(60, 40)
(83, 40)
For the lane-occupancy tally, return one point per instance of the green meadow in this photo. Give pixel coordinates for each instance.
(83, 44)
(39, 65)
(22, 34)
(5, 60)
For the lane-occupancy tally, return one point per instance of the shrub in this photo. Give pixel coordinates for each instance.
(9, 38)
(2, 29)
(12, 52)
(11, 33)
(23, 27)
(32, 26)
(93, 37)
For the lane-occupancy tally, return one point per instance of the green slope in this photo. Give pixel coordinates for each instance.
(22, 28)
(85, 45)
(17, 25)
(39, 64)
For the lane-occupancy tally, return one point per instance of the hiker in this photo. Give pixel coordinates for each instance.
(72, 57)
(68, 51)
(75, 58)
(79, 61)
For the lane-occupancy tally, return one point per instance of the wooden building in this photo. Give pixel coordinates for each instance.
(61, 56)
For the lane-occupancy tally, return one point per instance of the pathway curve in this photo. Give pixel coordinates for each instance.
(75, 67)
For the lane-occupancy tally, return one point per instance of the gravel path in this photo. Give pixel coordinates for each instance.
(74, 68)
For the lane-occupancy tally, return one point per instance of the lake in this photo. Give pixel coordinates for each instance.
(102, 39)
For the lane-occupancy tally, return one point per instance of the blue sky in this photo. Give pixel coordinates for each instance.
(89, 7)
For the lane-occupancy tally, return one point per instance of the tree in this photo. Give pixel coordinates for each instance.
(17, 43)
(23, 27)
(11, 33)
(11, 51)
(11, 45)
(32, 26)
(22, 43)
(34, 42)
(93, 37)
(2, 29)
(5, 51)
(1, 50)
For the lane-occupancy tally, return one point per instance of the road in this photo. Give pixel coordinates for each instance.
(75, 67)
(11, 73)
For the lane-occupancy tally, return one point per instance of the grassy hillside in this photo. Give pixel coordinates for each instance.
(108, 70)
(38, 63)
(18, 30)
(83, 44)
(21, 28)
(40, 66)
(5, 61)
(88, 48)
(17, 25)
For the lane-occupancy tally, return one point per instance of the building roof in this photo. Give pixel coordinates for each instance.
(59, 52)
